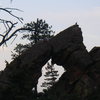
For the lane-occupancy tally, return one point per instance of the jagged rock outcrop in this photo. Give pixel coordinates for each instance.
(22, 74)
(70, 52)
(95, 70)
(87, 87)
(66, 49)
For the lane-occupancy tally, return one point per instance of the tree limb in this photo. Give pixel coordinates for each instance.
(5, 39)
(9, 11)
(9, 25)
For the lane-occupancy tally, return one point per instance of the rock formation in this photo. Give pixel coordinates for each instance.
(66, 49)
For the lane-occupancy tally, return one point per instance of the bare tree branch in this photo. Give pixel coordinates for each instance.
(9, 11)
(5, 39)
(9, 25)
(11, 1)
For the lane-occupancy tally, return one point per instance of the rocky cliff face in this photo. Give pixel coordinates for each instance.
(66, 49)
(82, 84)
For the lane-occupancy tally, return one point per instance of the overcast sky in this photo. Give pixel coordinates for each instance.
(60, 14)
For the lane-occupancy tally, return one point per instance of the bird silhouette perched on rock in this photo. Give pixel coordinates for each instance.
(6, 63)
(76, 24)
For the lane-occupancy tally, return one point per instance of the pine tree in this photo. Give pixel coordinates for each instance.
(39, 31)
(18, 50)
(50, 76)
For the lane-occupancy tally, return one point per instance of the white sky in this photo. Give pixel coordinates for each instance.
(60, 14)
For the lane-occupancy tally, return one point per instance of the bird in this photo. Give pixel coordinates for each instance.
(76, 23)
(6, 63)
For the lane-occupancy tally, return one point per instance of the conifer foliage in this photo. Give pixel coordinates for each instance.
(39, 30)
(50, 76)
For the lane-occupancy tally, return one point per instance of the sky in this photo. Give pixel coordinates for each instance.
(60, 14)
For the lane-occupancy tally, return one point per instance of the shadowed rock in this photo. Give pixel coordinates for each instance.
(86, 85)
(66, 49)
